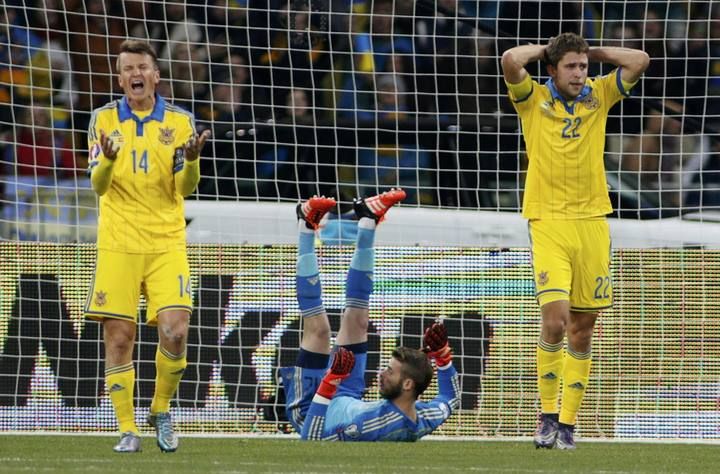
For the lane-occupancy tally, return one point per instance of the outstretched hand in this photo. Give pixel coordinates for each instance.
(435, 344)
(342, 364)
(108, 146)
(194, 146)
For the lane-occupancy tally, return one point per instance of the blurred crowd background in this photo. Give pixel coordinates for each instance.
(347, 97)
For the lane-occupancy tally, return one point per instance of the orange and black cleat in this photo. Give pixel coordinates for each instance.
(314, 209)
(375, 207)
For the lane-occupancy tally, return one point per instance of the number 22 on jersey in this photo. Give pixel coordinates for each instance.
(570, 130)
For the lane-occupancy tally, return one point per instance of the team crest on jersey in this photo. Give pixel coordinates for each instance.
(590, 101)
(543, 278)
(167, 136)
(100, 298)
(352, 431)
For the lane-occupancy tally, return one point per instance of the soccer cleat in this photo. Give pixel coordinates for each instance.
(166, 439)
(565, 437)
(375, 207)
(547, 432)
(129, 443)
(314, 209)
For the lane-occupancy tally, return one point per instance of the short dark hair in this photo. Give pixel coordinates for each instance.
(136, 47)
(562, 44)
(416, 366)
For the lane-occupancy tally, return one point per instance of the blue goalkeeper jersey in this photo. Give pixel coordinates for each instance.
(346, 418)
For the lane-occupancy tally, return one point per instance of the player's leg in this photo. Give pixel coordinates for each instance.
(301, 381)
(552, 276)
(113, 300)
(576, 374)
(119, 338)
(592, 292)
(359, 286)
(308, 287)
(169, 295)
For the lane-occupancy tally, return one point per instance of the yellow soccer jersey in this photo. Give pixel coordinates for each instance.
(565, 144)
(142, 191)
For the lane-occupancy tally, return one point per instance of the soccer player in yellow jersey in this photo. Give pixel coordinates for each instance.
(566, 201)
(143, 162)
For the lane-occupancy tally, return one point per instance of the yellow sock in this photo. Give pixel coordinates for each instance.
(120, 383)
(169, 370)
(575, 380)
(549, 368)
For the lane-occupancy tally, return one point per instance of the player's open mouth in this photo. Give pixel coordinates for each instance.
(137, 86)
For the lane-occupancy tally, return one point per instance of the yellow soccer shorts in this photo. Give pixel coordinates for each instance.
(571, 261)
(120, 278)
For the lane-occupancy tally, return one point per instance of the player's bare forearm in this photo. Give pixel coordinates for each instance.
(514, 61)
(633, 61)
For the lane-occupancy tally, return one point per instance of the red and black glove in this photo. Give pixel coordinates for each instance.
(435, 344)
(342, 364)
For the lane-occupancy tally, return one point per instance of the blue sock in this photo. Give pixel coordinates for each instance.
(307, 281)
(359, 285)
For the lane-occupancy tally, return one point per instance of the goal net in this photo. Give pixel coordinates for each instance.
(348, 98)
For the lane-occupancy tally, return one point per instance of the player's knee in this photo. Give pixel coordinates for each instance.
(118, 345)
(317, 327)
(173, 335)
(553, 329)
(579, 338)
(356, 323)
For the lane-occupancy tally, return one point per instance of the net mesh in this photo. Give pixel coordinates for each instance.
(347, 98)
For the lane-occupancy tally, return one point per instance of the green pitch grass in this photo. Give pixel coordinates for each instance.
(78, 454)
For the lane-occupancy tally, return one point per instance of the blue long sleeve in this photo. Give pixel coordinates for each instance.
(314, 423)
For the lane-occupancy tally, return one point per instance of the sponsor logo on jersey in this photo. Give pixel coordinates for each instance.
(117, 137)
(167, 136)
(548, 108)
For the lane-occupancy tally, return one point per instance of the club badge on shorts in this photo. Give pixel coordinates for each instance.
(100, 298)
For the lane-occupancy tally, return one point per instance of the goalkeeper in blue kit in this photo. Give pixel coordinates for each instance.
(324, 397)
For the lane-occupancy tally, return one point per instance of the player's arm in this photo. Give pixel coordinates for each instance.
(517, 79)
(187, 171)
(632, 62)
(103, 153)
(437, 347)
(515, 59)
(314, 424)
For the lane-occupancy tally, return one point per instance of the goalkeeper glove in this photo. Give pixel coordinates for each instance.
(342, 364)
(435, 344)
